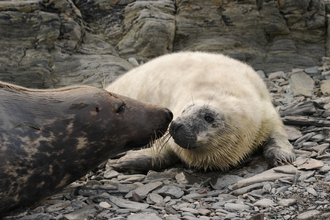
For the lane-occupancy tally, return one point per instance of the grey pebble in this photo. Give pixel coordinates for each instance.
(264, 203)
(308, 214)
(312, 70)
(110, 174)
(143, 190)
(38, 216)
(312, 179)
(190, 210)
(58, 206)
(151, 216)
(237, 207)
(322, 202)
(226, 180)
(246, 189)
(308, 144)
(134, 62)
(286, 202)
(318, 138)
(172, 191)
(195, 196)
(155, 198)
(275, 75)
(293, 133)
(312, 191)
(123, 203)
(131, 178)
(305, 175)
(304, 138)
(231, 215)
(81, 213)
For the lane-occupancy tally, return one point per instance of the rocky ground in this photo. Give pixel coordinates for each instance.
(251, 191)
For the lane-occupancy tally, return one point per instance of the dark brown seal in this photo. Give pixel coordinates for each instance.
(50, 138)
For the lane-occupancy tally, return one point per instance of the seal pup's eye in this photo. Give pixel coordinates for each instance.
(120, 109)
(208, 118)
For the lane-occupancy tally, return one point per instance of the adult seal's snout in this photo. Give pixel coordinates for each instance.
(50, 138)
(170, 115)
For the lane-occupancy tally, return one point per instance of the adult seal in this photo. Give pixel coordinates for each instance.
(222, 112)
(50, 138)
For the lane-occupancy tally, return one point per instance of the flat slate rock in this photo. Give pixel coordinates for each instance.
(172, 191)
(309, 164)
(237, 207)
(302, 84)
(287, 202)
(143, 190)
(264, 203)
(123, 203)
(293, 133)
(81, 213)
(308, 215)
(269, 175)
(142, 216)
(225, 180)
(37, 216)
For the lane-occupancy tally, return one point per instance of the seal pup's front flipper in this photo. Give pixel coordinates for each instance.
(277, 150)
(146, 159)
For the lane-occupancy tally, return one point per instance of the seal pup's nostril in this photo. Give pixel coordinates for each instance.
(174, 127)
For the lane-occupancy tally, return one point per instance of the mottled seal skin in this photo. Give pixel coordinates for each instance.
(50, 138)
(222, 112)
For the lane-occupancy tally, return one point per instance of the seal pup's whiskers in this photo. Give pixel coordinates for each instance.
(211, 99)
(159, 144)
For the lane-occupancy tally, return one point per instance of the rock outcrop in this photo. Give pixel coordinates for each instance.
(55, 43)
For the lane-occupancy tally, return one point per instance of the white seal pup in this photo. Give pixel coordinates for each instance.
(222, 112)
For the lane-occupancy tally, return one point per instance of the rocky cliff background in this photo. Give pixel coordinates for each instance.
(56, 43)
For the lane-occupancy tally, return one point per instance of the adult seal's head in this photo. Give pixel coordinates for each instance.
(50, 138)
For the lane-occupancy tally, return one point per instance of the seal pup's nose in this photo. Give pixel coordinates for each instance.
(174, 127)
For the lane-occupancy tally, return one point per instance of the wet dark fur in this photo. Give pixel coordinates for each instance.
(50, 138)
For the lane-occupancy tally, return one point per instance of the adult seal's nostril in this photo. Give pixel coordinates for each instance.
(170, 115)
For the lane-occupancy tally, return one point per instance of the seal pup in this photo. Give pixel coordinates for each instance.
(222, 112)
(50, 138)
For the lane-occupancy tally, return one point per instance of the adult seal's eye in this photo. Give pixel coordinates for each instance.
(208, 118)
(121, 109)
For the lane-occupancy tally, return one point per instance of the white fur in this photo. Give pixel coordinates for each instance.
(234, 88)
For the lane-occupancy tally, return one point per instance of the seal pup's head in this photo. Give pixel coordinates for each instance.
(197, 123)
(211, 136)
